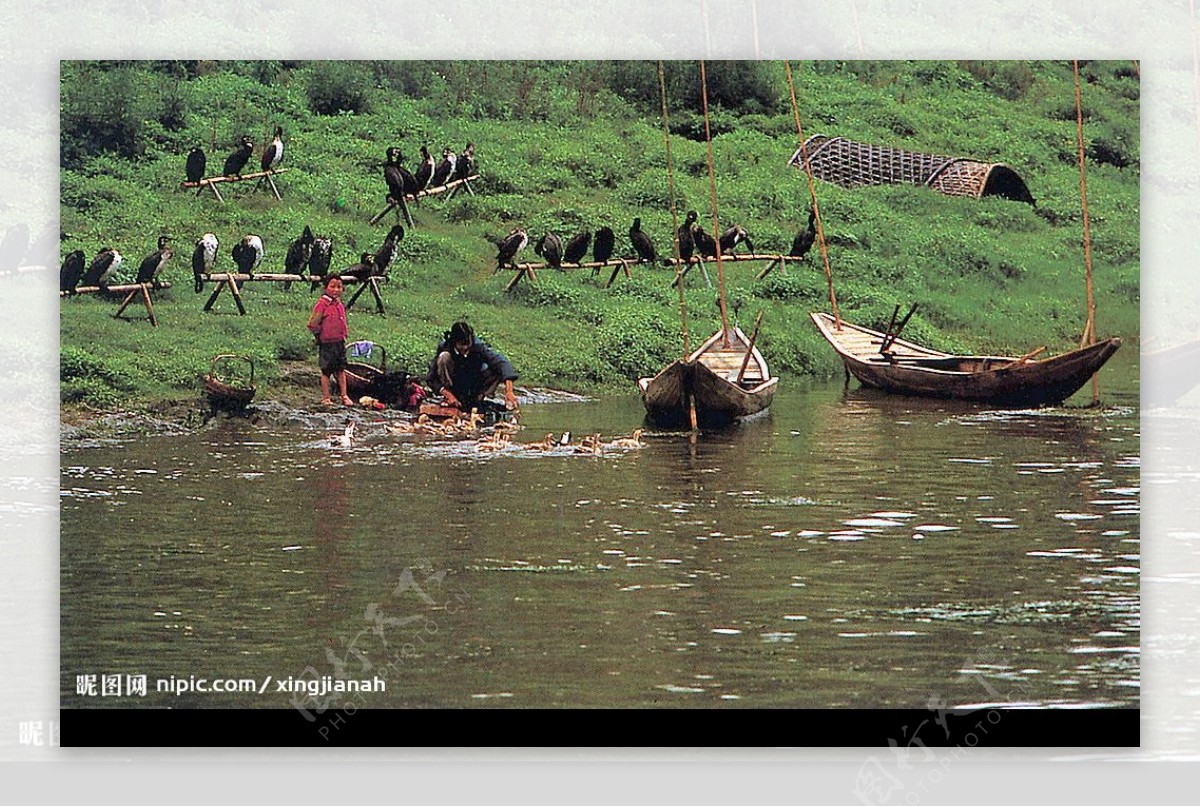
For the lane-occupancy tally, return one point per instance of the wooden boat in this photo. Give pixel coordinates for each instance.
(725, 379)
(223, 391)
(909, 369)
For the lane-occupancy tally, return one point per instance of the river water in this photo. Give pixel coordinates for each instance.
(847, 549)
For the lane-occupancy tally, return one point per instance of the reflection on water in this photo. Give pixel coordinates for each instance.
(846, 549)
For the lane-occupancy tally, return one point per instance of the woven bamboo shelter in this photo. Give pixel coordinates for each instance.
(852, 164)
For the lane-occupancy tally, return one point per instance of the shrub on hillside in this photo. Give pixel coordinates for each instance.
(335, 87)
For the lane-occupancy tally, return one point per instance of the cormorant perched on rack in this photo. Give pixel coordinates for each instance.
(803, 241)
(425, 171)
(320, 260)
(102, 268)
(732, 237)
(687, 242)
(298, 254)
(641, 242)
(508, 247)
(273, 153)
(153, 263)
(363, 269)
(576, 247)
(196, 162)
(550, 247)
(387, 253)
(444, 170)
(400, 180)
(706, 247)
(71, 272)
(248, 254)
(236, 161)
(466, 162)
(605, 242)
(204, 258)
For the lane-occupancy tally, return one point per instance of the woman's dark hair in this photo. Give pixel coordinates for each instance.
(460, 332)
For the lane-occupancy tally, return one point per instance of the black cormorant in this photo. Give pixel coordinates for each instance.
(687, 242)
(508, 247)
(445, 169)
(196, 162)
(236, 161)
(550, 247)
(320, 260)
(641, 242)
(425, 170)
(706, 246)
(204, 258)
(576, 247)
(273, 153)
(466, 162)
(387, 253)
(248, 254)
(604, 243)
(400, 180)
(363, 269)
(803, 241)
(153, 263)
(298, 254)
(72, 271)
(732, 237)
(102, 268)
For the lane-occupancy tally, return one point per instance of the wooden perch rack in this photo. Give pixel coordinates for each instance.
(233, 281)
(452, 187)
(212, 182)
(132, 291)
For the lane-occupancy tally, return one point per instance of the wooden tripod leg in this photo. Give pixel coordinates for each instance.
(216, 192)
(237, 297)
(512, 284)
(149, 304)
(274, 189)
(374, 281)
(704, 271)
(128, 299)
(358, 293)
(407, 213)
(767, 269)
(213, 298)
(616, 271)
(383, 213)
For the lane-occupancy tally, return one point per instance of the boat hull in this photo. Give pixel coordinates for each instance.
(910, 369)
(707, 379)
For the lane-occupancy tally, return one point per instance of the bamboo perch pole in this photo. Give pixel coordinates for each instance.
(750, 348)
(435, 191)
(232, 178)
(1089, 328)
(123, 288)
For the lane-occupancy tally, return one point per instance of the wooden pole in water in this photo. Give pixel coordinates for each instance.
(812, 193)
(1089, 328)
(680, 271)
(712, 186)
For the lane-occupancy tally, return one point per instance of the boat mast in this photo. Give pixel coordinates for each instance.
(679, 268)
(712, 184)
(812, 193)
(1089, 328)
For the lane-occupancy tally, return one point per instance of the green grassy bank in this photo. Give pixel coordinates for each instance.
(574, 146)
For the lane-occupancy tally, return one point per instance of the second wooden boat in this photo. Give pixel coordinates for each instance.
(911, 369)
(723, 380)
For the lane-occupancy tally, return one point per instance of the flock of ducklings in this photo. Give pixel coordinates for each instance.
(501, 435)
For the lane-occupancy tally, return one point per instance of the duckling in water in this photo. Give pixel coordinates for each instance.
(495, 442)
(548, 444)
(633, 441)
(346, 438)
(590, 445)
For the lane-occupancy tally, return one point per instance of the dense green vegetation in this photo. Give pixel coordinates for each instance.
(568, 146)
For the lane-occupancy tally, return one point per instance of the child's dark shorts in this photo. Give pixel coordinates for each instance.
(332, 357)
